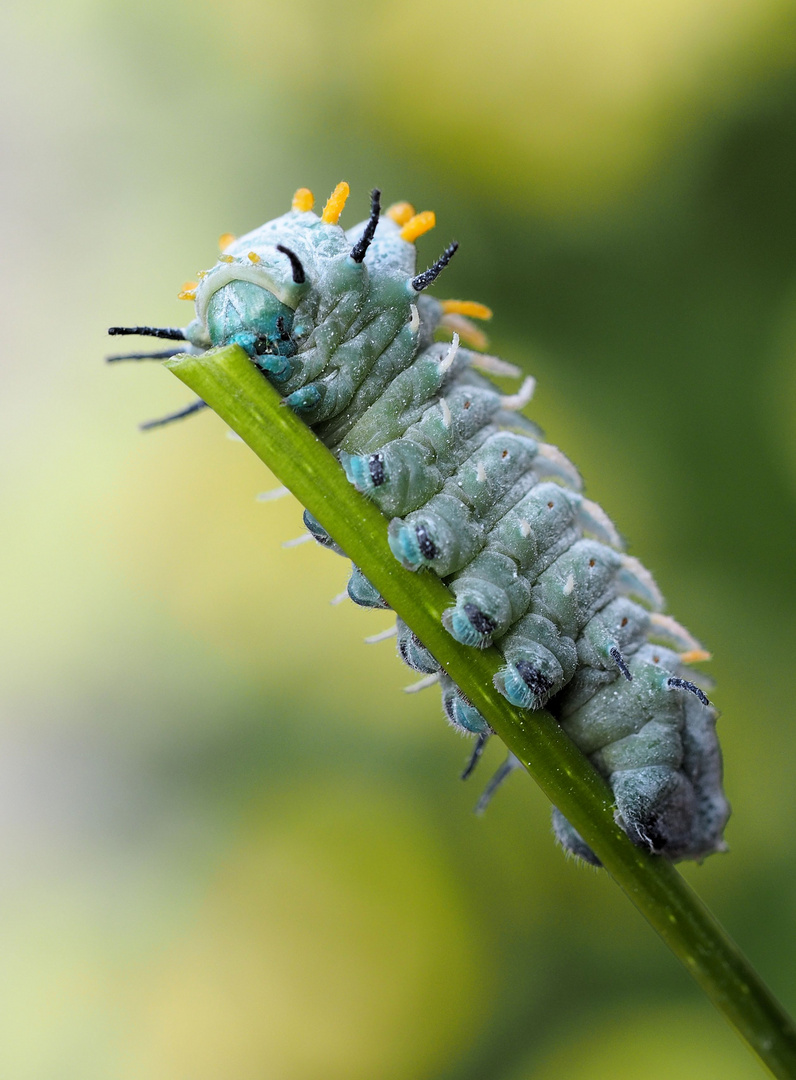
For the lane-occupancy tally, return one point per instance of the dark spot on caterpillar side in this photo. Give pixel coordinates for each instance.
(550, 505)
(467, 404)
(591, 562)
(656, 659)
(623, 622)
(505, 454)
(533, 678)
(376, 467)
(482, 623)
(428, 549)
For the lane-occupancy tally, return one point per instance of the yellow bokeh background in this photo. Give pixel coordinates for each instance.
(231, 846)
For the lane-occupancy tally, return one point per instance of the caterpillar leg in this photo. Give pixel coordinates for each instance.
(412, 650)
(362, 592)
(319, 534)
(501, 776)
(475, 757)
(529, 682)
(656, 806)
(570, 840)
(460, 711)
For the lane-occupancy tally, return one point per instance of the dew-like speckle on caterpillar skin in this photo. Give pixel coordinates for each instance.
(392, 381)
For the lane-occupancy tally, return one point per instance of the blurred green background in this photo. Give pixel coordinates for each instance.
(230, 846)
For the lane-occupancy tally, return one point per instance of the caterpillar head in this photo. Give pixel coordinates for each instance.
(251, 306)
(294, 291)
(250, 297)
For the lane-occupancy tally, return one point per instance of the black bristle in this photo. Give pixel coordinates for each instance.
(684, 684)
(618, 659)
(143, 355)
(422, 281)
(299, 277)
(189, 410)
(170, 332)
(359, 250)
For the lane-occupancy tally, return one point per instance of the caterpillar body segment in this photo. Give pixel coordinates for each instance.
(702, 766)
(452, 526)
(340, 323)
(413, 467)
(393, 400)
(496, 587)
(657, 746)
(407, 471)
(593, 724)
(566, 597)
(620, 627)
(490, 598)
(540, 659)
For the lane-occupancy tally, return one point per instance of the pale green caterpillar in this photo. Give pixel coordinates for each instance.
(340, 323)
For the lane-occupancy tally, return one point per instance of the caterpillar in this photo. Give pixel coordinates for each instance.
(340, 322)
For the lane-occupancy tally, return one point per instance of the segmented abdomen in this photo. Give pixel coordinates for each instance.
(537, 570)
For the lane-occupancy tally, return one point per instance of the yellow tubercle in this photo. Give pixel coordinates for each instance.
(226, 258)
(303, 200)
(400, 212)
(253, 257)
(188, 290)
(201, 274)
(470, 308)
(335, 203)
(225, 240)
(417, 225)
(695, 656)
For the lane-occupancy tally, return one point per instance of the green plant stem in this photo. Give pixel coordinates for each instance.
(235, 389)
